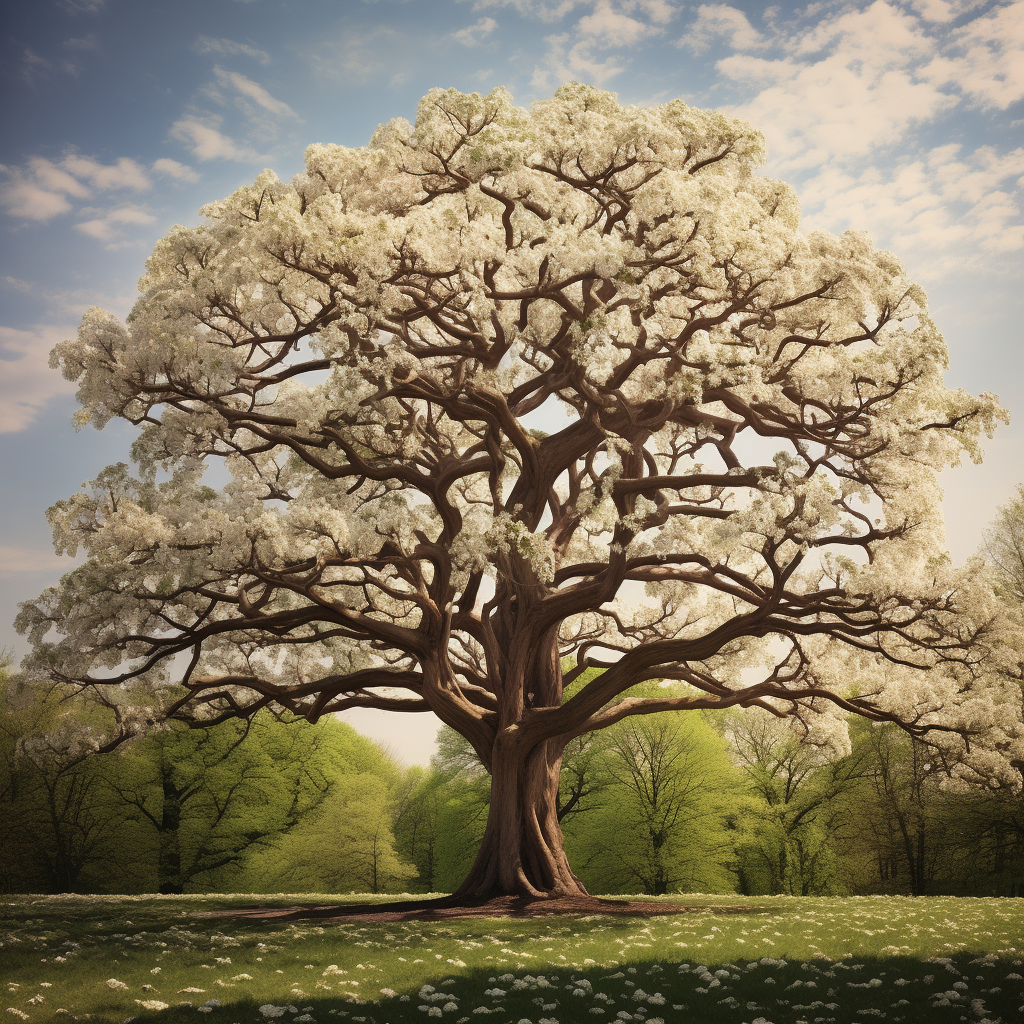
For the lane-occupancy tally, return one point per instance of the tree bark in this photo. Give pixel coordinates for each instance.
(522, 853)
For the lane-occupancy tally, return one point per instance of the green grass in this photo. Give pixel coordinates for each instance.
(784, 960)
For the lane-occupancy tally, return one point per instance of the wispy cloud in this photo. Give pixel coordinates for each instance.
(206, 142)
(946, 209)
(546, 10)
(229, 48)
(719, 22)
(984, 59)
(125, 173)
(841, 100)
(26, 381)
(175, 169)
(610, 25)
(592, 51)
(84, 43)
(566, 61)
(471, 35)
(41, 189)
(83, 6)
(362, 56)
(33, 67)
(253, 91)
(27, 198)
(107, 225)
(944, 10)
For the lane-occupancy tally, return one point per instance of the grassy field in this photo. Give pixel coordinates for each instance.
(781, 960)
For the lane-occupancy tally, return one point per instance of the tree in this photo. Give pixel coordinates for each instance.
(507, 387)
(59, 825)
(796, 821)
(658, 822)
(204, 797)
(345, 845)
(899, 819)
(1004, 546)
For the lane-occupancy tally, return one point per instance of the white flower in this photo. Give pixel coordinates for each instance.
(269, 1010)
(114, 983)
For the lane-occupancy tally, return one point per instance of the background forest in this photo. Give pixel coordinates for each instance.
(734, 801)
(660, 804)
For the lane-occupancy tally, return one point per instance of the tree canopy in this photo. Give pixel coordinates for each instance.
(508, 387)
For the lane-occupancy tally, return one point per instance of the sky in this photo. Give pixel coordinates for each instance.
(901, 118)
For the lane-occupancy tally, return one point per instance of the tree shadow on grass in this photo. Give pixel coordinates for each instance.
(452, 908)
(897, 990)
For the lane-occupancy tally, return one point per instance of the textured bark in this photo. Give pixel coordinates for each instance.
(522, 853)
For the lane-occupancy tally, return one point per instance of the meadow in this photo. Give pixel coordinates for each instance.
(728, 960)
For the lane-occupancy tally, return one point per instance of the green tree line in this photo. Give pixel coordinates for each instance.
(738, 802)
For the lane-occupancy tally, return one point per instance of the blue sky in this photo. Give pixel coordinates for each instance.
(902, 118)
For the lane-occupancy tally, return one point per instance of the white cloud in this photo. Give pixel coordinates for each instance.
(941, 211)
(26, 381)
(719, 21)
(879, 35)
(42, 189)
(22, 197)
(607, 25)
(471, 35)
(174, 169)
(985, 59)
(125, 173)
(943, 10)
(229, 48)
(845, 87)
(106, 227)
(610, 26)
(572, 63)
(39, 191)
(659, 11)
(207, 143)
(253, 91)
(841, 100)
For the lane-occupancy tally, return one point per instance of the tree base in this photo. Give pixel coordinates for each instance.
(447, 907)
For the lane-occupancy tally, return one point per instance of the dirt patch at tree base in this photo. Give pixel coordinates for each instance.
(448, 907)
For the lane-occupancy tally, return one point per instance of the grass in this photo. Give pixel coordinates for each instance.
(787, 960)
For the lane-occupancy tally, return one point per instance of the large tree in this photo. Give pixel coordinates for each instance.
(509, 387)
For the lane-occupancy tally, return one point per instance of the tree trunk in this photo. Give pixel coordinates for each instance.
(521, 853)
(169, 878)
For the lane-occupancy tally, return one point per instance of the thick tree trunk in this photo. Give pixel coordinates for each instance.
(521, 853)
